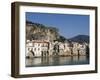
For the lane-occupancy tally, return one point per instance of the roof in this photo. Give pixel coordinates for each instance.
(38, 41)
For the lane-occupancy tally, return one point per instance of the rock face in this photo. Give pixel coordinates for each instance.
(35, 31)
(43, 41)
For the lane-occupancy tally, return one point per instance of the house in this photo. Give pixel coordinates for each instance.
(37, 48)
(75, 48)
(44, 48)
(60, 48)
(84, 49)
(79, 48)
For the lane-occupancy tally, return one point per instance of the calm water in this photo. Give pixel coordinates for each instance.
(55, 61)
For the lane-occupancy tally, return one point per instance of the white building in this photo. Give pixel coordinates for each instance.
(79, 49)
(37, 48)
(82, 49)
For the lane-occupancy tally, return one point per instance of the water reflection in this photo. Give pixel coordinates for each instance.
(55, 61)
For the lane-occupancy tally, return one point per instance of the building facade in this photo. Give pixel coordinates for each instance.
(37, 48)
(44, 48)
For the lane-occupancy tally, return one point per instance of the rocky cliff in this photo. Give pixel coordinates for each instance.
(36, 31)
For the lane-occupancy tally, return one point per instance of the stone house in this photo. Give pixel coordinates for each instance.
(79, 48)
(37, 47)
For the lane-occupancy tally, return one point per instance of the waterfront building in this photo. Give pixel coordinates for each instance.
(38, 47)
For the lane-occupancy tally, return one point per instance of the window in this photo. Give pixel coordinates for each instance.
(38, 44)
(33, 44)
(38, 49)
(34, 49)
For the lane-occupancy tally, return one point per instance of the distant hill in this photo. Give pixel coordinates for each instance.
(80, 38)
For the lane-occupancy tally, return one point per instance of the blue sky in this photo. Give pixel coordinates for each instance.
(69, 25)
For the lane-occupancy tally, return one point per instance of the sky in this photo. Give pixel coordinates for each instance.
(69, 25)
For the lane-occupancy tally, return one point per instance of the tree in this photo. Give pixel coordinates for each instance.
(62, 39)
